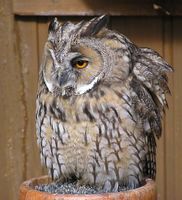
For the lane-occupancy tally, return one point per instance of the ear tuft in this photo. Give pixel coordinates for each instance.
(93, 26)
(53, 26)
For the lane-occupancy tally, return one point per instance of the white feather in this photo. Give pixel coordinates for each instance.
(81, 89)
(49, 85)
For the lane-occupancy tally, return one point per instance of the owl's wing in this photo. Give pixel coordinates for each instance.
(48, 130)
(150, 86)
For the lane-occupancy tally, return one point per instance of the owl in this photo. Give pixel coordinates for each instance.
(99, 106)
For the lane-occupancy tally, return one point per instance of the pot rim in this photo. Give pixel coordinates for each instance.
(27, 188)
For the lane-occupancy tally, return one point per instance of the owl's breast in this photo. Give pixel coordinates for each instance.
(78, 146)
(97, 139)
(97, 123)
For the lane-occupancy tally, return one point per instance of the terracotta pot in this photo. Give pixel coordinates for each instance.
(27, 192)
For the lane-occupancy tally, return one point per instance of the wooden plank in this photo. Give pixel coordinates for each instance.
(11, 108)
(42, 33)
(169, 117)
(177, 7)
(86, 7)
(28, 49)
(95, 7)
(142, 31)
(177, 131)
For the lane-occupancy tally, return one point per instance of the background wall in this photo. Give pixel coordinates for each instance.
(23, 31)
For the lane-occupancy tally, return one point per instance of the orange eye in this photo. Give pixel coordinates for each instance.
(80, 64)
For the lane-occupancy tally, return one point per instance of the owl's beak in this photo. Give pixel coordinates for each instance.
(68, 91)
(66, 81)
(67, 84)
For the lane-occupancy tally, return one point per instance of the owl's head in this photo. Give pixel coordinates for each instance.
(79, 57)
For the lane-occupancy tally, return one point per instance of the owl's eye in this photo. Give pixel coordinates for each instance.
(80, 64)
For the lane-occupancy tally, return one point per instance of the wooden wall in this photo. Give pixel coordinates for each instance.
(23, 31)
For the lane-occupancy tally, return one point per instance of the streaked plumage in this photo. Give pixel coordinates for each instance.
(99, 106)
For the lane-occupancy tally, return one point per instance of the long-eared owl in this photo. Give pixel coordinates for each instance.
(99, 106)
